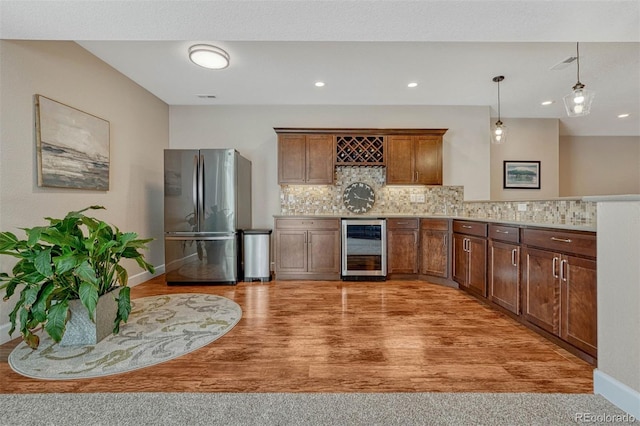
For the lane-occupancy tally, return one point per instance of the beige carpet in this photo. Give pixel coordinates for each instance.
(308, 409)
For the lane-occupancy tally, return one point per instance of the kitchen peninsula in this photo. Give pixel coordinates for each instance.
(537, 266)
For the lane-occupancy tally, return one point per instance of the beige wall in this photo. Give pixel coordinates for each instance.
(249, 129)
(528, 139)
(619, 304)
(599, 165)
(65, 72)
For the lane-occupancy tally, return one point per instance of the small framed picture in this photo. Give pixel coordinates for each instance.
(521, 175)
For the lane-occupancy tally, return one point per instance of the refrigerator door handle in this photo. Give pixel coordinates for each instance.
(196, 216)
(201, 193)
(198, 238)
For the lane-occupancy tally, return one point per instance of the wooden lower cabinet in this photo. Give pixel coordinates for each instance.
(559, 290)
(434, 247)
(541, 289)
(307, 249)
(503, 263)
(402, 246)
(470, 256)
(579, 325)
(504, 275)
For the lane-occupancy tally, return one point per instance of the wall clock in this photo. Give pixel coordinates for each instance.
(359, 197)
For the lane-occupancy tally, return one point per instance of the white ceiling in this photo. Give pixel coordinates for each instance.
(365, 51)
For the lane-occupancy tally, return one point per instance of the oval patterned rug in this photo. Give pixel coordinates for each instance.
(160, 328)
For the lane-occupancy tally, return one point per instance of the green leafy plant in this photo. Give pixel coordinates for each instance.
(72, 258)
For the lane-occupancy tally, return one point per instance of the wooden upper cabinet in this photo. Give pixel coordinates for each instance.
(305, 159)
(400, 164)
(308, 156)
(292, 152)
(428, 160)
(319, 155)
(414, 159)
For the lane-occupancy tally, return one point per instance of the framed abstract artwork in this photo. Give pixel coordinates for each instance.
(72, 147)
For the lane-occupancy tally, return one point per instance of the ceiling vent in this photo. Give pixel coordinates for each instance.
(206, 96)
(564, 63)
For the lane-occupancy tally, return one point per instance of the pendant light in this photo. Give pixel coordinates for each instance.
(208, 56)
(578, 102)
(499, 131)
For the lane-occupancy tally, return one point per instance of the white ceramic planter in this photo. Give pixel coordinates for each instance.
(81, 330)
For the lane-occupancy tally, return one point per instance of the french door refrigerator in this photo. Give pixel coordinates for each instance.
(207, 204)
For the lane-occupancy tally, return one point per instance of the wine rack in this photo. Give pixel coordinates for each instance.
(359, 150)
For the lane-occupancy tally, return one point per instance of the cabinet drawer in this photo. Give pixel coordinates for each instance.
(562, 241)
(470, 228)
(435, 224)
(504, 233)
(311, 223)
(402, 223)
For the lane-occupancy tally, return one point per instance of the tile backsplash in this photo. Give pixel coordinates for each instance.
(571, 212)
(300, 200)
(328, 199)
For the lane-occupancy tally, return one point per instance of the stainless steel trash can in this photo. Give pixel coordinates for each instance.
(257, 243)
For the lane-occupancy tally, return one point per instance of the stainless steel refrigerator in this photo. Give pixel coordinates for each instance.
(207, 204)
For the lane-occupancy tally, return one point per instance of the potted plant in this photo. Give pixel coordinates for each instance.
(72, 258)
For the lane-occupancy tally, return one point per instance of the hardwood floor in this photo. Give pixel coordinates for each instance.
(333, 336)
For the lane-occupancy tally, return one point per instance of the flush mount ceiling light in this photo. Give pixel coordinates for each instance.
(208, 56)
(578, 102)
(499, 131)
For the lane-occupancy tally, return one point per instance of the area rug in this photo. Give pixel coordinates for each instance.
(160, 328)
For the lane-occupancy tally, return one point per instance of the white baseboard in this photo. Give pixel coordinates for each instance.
(617, 393)
(133, 281)
(4, 333)
(144, 276)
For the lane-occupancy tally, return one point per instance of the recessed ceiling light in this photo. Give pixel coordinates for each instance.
(319, 83)
(545, 103)
(412, 84)
(623, 115)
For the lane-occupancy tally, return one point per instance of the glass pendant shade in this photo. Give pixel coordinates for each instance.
(578, 102)
(499, 130)
(499, 133)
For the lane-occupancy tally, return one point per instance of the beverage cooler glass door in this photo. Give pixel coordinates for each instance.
(364, 250)
(203, 259)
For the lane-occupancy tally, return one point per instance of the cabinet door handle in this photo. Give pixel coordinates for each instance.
(402, 223)
(444, 241)
(563, 271)
(513, 257)
(416, 176)
(554, 266)
(466, 226)
(500, 231)
(562, 240)
(309, 239)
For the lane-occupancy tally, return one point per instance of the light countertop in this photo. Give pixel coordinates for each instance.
(589, 228)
